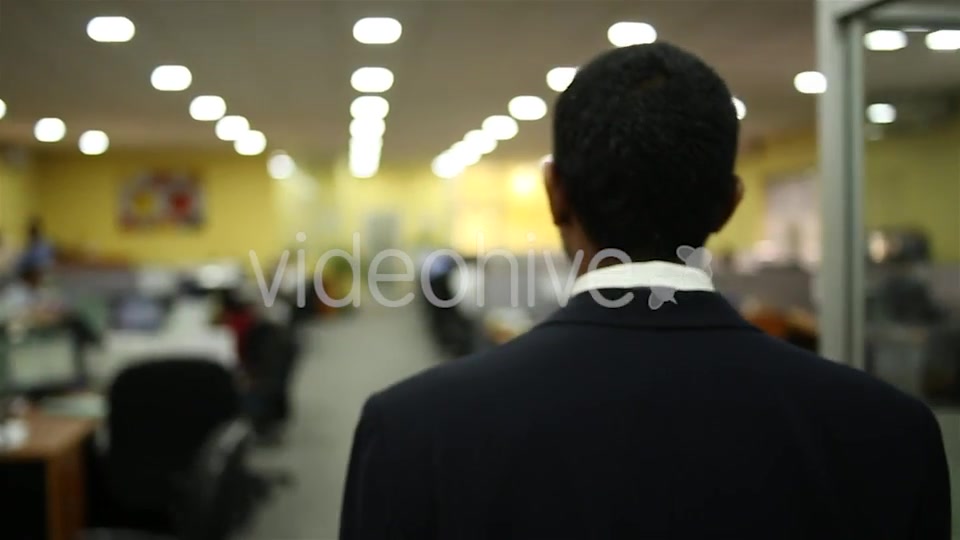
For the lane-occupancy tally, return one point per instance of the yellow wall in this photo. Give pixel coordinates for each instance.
(17, 199)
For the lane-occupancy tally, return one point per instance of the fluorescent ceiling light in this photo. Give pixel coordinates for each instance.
(527, 108)
(364, 159)
(49, 130)
(559, 78)
(171, 78)
(280, 166)
(377, 30)
(230, 128)
(881, 113)
(623, 34)
(94, 142)
(501, 127)
(943, 40)
(810, 82)
(3, 108)
(208, 108)
(741, 108)
(480, 141)
(367, 127)
(111, 29)
(372, 80)
(446, 166)
(465, 153)
(251, 143)
(370, 107)
(885, 40)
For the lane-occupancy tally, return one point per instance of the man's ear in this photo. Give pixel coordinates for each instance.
(734, 203)
(556, 194)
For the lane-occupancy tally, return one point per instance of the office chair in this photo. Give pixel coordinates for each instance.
(269, 355)
(161, 413)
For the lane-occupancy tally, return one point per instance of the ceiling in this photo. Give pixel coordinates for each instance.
(286, 66)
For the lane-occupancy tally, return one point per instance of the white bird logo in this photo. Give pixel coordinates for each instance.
(699, 258)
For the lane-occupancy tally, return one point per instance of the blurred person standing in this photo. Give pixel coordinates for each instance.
(38, 253)
(667, 416)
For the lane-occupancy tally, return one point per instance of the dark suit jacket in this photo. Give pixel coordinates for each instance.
(681, 422)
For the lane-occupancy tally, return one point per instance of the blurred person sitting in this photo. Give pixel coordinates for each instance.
(647, 407)
(29, 300)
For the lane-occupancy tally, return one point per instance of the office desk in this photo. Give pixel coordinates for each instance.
(56, 446)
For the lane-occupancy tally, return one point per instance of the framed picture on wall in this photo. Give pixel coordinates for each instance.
(162, 200)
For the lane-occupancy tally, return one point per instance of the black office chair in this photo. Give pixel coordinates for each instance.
(161, 414)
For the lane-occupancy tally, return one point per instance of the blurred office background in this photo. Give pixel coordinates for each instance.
(165, 152)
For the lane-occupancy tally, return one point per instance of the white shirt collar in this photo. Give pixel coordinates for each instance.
(645, 274)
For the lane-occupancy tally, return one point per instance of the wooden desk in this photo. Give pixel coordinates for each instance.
(57, 443)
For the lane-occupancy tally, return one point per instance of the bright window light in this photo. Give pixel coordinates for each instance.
(377, 30)
(251, 143)
(810, 82)
(943, 40)
(881, 113)
(372, 80)
(885, 40)
(208, 108)
(524, 183)
(171, 78)
(559, 78)
(49, 130)
(527, 108)
(111, 29)
(230, 128)
(624, 34)
(363, 128)
(3, 108)
(94, 142)
(480, 141)
(446, 166)
(280, 166)
(501, 127)
(370, 107)
(741, 108)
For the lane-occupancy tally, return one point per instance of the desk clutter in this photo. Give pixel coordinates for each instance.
(144, 431)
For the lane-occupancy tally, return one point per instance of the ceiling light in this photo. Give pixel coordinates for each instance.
(377, 30)
(230, 128)
(741, 108)
(370, 107)
(3, 108)
(446, 166)
(280, 166)
(171, 78)
(94, 142)
(943, 40)
(881, 113)
(364, 159)
(208, 108)
(251, 143)
(49, 129)
(810, 82)
(559, 78)
(367, 127)
(372, 79)
(527, 108)
(885, 40)
(480, 141)
(111, 29)
(501, 127)
(623, 34)
(465, 153)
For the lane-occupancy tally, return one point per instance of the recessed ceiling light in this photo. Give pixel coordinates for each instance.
(3, 108)
(741, 108)
(364, 159)
(251, 143)
(559, 78)
(230, 128)
(372, 80)
(446, 166)
(370, 107)
(885, 40)
(465, 153)
(943, 40)
(94, 142)
(49, 129)
(377, 30)
(481, 141)
(111, 29)
(171, 78)
(501, 127)
(208, 108)
(624, 34)
(280, 166)
(362, 128)
(527, 108)
(810, 82)
(881, 113)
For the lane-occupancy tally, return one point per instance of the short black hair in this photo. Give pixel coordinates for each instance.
(644, 144)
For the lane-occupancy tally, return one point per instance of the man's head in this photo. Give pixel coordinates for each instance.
(644, 146)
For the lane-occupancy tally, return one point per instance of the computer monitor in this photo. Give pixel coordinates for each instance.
(138, 312)
(41, 362)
